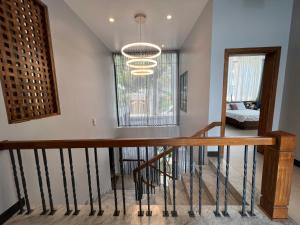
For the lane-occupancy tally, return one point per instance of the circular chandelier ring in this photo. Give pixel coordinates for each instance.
(145, 44)
(131, 63)
(142, 72)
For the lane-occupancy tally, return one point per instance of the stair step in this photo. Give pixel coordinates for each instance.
(181, 199)
(206, 196)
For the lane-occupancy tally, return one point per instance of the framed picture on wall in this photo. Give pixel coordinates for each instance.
(183, 85)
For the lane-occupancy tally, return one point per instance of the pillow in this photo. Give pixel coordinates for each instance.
(233, 106)
(240, 106)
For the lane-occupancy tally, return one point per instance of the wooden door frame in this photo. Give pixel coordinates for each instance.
(268, 86)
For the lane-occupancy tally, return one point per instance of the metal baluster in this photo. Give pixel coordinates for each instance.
(165, 212)
(191, 212)
(76, 211)
(251, 212)
(225, 212)
(217, 212)
(92, 211)
(158, 172)
(68, 212)
(140, 185)
(243, 211)
(174, 157)
(122, 179)
(38, 169)
(200, 162)
(100, 212)
(176, 161)
(29, 210)
(149, 212)
(185, 157)
(52, 210)
(13, 162)
(114, 184)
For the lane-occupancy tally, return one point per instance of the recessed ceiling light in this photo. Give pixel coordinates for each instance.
(162, 46)
(169, 17)
(111, 19)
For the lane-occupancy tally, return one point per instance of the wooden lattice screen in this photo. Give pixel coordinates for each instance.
(26, 61)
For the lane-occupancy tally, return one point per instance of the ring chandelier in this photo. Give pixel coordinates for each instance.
(141, 61)
(142, 72)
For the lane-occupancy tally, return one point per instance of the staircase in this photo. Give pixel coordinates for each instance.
(127, 204)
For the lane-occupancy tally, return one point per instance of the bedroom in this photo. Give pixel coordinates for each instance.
(243, 99)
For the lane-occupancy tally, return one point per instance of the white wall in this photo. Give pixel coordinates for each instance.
(195, 58)
(289, 118)
(84, 77)
(244, 23)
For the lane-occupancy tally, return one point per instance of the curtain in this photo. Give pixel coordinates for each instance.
(147, 100)
(244, 78)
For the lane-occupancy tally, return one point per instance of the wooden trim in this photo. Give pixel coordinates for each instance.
(277, 175)
(269, 85)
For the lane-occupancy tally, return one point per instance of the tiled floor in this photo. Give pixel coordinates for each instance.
(237, 162)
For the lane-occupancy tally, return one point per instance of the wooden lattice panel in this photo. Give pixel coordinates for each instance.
(26, 61)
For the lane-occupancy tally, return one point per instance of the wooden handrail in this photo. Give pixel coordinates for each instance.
(142, 142)
(207, 128)
(171, 149)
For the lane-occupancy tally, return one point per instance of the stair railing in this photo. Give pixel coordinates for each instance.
(276, 178)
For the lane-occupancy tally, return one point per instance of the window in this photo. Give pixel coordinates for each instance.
(26, 61)
(147, 100)
(244, 78)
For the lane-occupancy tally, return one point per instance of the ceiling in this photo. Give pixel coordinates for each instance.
(157, 29)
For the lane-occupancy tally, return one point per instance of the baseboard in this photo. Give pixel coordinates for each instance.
(212, 154)
(296, 162)
(5, 216)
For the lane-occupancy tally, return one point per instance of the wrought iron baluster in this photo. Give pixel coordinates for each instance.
(165, 212)
(92, 211)
(149, 212)
(191, 212)
(251, 212)
(100, 212)
(29, 210)
(68, 212)
(114, 183)
(225, 212)
(158, 172)
(217, 211)
(176, 161)
(174, 157)
(140, 184)
(200, 162)
(243, 211)
(76, 210)
(185, 158)
(13, 162)
(52, 210)
(122, 179)
(40, 181)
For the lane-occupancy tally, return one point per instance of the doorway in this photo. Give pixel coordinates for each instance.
(260, 100)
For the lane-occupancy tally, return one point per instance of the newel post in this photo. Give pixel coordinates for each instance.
(277, 175)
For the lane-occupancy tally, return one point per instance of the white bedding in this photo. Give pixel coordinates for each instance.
(243, 115)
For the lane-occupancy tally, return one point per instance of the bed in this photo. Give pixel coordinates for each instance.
(246, 119)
